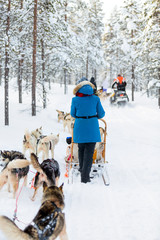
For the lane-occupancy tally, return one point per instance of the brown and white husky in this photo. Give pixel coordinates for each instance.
(47, 144)
(61, 115)
(31, 139)
(15, 167)
(48, 224)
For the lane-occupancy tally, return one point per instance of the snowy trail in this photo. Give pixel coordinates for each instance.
(129, 175)
(87, 221)
(128, 209)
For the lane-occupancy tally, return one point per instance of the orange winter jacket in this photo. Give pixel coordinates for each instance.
(120, 79)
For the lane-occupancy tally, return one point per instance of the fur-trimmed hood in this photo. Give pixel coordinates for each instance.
(81, 84)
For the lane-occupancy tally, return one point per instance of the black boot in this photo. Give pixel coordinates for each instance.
(85, 180)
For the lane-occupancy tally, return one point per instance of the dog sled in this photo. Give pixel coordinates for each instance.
(99, 165)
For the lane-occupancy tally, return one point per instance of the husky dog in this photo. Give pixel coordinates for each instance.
(103, 94)
(48, 224)
(48, 172)
(102, 132)
(30, 140)
(68, 122)
(15, 167)
(47, 143)
(61, 115)
(100, 146)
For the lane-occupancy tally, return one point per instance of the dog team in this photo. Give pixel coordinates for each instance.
(49, 222)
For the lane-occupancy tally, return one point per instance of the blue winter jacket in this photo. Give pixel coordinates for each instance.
(86, 130)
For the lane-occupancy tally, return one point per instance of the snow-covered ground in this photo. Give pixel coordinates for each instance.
(128, 209)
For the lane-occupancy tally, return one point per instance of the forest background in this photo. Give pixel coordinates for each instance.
(60, 41)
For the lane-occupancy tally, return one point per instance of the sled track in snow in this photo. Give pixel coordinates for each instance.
(143, 189)
(118, 114)
(91, 212)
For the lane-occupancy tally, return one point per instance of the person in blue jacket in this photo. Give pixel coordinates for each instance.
(86, 108)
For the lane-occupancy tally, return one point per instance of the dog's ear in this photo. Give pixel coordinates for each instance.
(61, 187)
(38, 129)
(58, 111)
(35, 163)
(44, 186)
(3, 154)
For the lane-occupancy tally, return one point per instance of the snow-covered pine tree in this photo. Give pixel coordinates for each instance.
(151, 40)
(21, 41)
(6, 70)
(77, 10)
(62, 42)
(130, 18)
(94, 28)
(121, 41)
(116, 49)
(2, 33)
(16, 49)
(34, 58)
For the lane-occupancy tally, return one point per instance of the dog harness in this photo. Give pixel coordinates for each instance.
(51, 165)
(50, 223)
(38, 139)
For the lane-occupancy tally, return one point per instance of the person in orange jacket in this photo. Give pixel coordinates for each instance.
(120, 82)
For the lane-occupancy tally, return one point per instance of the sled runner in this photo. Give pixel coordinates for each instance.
(99, 165)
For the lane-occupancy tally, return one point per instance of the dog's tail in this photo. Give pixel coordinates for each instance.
(27, 135)
(18, 163)
(35, 163)
(11, 231)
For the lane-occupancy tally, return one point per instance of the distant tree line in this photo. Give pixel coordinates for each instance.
(132, 44)
(48, 41)
(62, 40)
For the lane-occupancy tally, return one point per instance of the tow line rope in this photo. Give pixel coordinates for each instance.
(17, 197)
(18, 194)
(67, 165)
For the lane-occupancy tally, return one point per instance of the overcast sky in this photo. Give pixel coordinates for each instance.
(109, 6)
